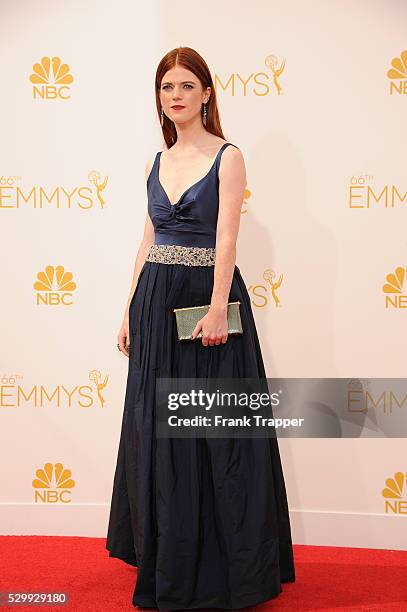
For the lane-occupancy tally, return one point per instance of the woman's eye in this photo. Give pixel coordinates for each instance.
(186, 85)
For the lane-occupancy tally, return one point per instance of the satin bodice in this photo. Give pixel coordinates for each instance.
(192, 220)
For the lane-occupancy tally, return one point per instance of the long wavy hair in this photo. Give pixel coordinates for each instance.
(191, 60)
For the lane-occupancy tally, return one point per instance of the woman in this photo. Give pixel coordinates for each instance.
(205, 520)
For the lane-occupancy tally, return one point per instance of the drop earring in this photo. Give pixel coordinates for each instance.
(162, 117)
(205, 112)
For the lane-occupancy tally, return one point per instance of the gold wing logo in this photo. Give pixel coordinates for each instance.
(269, 276)
(277, 69)
(96, 179)
(96, 377)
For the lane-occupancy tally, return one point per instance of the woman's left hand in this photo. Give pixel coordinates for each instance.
(214, 327)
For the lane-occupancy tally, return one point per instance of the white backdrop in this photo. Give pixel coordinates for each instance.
(324, 148)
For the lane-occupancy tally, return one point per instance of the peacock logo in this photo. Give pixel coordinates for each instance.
(398, 74)
(54, 286)
(51, 78)
(246, 198)
(53, 484)
(394, 288)
(395, 494)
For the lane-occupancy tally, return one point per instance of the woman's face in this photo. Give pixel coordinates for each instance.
(180, 87)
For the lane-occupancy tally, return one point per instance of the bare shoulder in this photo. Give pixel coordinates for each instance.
(233, 152)
(232, 163)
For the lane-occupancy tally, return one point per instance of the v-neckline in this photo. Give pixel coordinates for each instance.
(191, 186)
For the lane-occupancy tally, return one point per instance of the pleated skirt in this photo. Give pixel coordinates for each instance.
(205, 520)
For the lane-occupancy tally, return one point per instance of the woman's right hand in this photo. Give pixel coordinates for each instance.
(123, 339)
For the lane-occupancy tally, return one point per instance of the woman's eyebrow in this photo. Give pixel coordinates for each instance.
(182, 82)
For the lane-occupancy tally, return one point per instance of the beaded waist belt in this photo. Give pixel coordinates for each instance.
(176, 254)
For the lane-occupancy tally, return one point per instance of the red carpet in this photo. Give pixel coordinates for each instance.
(334, 579)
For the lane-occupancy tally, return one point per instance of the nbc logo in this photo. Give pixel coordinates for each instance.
(398, 74)
(395, 494)
(54, 286)
(394, 288)
(53, 484)
(51, 79)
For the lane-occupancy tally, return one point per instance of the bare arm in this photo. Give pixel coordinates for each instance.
(232, 184)
(147, 241)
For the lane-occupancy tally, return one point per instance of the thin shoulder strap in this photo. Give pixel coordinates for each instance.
(154, 166)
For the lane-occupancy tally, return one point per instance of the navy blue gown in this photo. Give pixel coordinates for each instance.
(205, 520)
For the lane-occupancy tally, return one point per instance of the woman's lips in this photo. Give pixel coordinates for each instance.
(177, 107)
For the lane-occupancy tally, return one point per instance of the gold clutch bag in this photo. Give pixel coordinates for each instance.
(187, 318)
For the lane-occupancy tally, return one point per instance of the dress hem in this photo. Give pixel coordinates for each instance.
(218, 606)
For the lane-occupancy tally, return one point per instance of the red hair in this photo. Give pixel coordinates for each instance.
(191, 60)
